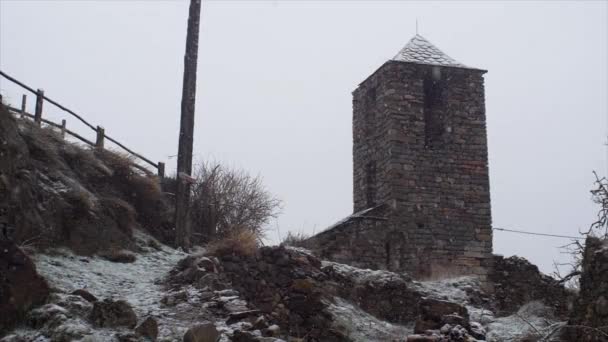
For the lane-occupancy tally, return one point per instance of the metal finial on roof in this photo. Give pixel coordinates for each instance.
(420, 50)
(416, 26)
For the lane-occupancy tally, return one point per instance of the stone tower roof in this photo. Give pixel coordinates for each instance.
(419, 50)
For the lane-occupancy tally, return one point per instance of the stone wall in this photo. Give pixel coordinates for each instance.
(589, 319)
(419, 148)
(517, 282)
(359, 240)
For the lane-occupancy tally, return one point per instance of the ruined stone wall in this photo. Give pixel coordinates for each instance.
(423, 129)
(359, 240)
(589, 319)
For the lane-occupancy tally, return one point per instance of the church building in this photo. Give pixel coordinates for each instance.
(420, 170)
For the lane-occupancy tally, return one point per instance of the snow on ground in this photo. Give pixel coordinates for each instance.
(452, 289)
(134, 282)
(532, 319)
(139, 283)
(361, 326)
(361, 275)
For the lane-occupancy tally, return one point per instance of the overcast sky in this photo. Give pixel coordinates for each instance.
(275, 83)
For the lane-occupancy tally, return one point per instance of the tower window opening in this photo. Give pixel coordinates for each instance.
(370, 184)
(433, 107)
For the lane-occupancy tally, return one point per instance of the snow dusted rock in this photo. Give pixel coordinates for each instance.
(110, 313)
(56, 323)
(202, 333)
(148, 328)
(120, 255)
(175, 298)
(387, 295)
(477, 330)
(21, 288)
(272, 331)
(85, 294)
(436, 313)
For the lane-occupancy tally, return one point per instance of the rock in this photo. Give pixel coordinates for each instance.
(454, 319)
(260, 323)
(109, 313)
(126, 337)
(209, 280)
(207, 264)
(121, 255)
(21, 288)
(244, 336)
(76, 305)
(272, 331)
(202, 333)
(40, 316)
(477, 330)
(422, 338)
(174, 298)
(239, 315)
(85, 294)
(435, 313)
(148, 328)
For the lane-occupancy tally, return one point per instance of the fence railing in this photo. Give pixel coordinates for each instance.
(100, 134)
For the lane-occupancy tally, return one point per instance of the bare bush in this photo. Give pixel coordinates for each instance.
(600, 196)
(225, 200)
(599, 228)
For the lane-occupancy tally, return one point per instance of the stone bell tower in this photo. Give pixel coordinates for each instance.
(420, 164)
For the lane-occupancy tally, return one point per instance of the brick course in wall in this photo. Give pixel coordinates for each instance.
(419, 154)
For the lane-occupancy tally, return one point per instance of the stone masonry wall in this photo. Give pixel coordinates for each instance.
(358, 240)
(420, 146)
(589, 319)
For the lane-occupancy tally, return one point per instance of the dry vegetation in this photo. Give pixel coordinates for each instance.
(242, 242)
(227, 201)
(294, 239)
(66, 194)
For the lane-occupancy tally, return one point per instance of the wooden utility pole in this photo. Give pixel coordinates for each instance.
(186, 132)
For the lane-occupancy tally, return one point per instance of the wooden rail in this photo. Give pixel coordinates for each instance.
(100, 138)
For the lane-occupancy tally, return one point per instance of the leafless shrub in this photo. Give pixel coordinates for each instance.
(224, 199)
(599, 228)
(600, 196)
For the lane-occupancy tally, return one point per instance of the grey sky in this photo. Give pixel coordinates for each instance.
(275, 82)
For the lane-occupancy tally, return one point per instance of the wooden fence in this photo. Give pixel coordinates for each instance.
(100, 134)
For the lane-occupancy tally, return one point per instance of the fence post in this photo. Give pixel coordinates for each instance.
(39, 102)
(100, 137)
(23, 103)
(63, 124)
(161, 170)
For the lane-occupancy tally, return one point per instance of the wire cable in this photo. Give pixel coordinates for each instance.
(539, 234)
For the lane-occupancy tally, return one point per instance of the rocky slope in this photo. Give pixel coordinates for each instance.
(278, 293)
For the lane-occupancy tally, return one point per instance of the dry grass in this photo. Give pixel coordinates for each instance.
(121, 212)
(241, 242)
(119, 163)
(294, 239)
(42, 145)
